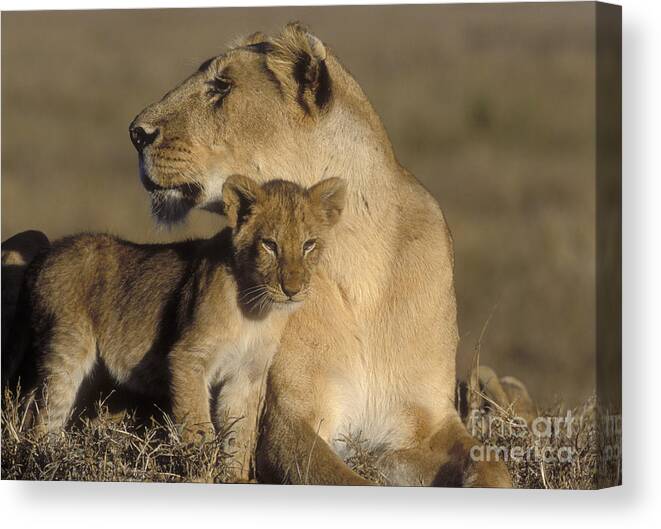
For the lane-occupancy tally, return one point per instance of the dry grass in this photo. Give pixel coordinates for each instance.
(579, 471)
(111, 448)
(361, 459)
(108, 448)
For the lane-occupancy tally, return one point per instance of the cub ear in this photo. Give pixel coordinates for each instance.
(298, 61)
(330, 196)
(239, 195)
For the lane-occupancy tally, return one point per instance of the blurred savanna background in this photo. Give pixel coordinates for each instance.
(492, 107)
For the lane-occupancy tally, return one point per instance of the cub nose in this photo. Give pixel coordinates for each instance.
(141, 136)
(291, 290)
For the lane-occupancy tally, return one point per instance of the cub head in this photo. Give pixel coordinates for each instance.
(248, 111)
(279, 231)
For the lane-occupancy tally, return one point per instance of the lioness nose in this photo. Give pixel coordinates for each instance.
(141, 137)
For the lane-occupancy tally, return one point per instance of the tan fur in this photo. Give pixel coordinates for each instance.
(178, 319)
(519, 399)
(373, 350)
(507, 393)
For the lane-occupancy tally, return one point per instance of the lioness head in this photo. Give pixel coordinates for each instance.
(248, 111)
(278, 234)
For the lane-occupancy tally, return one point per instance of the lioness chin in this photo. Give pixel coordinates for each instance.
(177, 319)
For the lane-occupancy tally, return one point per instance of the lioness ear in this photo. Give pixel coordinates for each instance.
(251, 40)
(330, 196)
(298, 61)
(239, 195)
(255, 38)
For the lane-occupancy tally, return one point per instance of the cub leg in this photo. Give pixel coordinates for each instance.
(240, 403)
(190, 397)
(66, 359)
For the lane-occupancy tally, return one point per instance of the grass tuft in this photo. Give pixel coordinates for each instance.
(122, 448)
(546, 456)
(108, 448)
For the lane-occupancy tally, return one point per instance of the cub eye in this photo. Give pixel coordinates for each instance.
(270, 246)
(219, 87)
(309, 245)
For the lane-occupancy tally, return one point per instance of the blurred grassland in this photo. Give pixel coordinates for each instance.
(490, 106)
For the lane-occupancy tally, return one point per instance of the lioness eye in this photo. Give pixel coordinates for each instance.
(308, 246)
(270, 246)
(219, 87)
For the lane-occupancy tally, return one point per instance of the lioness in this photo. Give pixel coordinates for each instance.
(181, 317)
(372, 352)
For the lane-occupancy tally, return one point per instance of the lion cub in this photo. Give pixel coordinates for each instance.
(177, 319)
